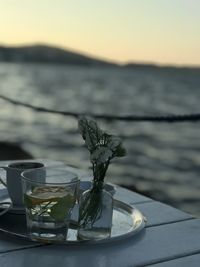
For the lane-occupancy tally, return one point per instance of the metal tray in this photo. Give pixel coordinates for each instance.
(127, 221)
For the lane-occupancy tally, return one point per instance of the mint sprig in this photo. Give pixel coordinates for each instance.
(103, 147)
(60, 210)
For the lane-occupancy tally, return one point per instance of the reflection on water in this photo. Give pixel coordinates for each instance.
(162, 159)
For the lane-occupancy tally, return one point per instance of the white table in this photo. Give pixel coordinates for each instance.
(171, 238)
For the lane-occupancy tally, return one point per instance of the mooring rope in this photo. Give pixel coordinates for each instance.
(138, 118)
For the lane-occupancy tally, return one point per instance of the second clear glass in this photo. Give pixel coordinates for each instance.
(95, 214)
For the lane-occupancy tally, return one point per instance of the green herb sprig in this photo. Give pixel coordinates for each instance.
(103, 147)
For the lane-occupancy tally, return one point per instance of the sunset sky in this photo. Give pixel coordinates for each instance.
(160, 31)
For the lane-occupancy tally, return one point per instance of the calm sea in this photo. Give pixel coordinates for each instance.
(163, 159)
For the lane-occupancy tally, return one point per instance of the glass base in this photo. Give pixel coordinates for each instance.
(48, 232)
(93, 234)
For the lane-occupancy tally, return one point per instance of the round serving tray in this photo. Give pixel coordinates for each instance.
(127, 221)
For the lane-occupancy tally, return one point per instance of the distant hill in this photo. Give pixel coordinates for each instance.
(146, 66)
(47, 54)
(41, 53)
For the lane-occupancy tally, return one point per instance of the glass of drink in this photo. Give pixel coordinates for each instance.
(49, 198)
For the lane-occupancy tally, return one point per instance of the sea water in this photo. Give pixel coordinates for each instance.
(163, 159)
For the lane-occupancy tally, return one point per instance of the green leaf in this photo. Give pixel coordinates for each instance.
(82, 122)
(101, 155)
(113, 142)
(120, 151)
(60, 210)
(89, 131)
(89, 141)
(93, 125)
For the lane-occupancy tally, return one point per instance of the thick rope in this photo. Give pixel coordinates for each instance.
(138, 118)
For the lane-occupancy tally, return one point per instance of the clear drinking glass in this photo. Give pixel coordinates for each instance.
(49, 197)
(95, 214)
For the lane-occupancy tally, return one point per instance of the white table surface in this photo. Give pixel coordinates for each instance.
(171, 238)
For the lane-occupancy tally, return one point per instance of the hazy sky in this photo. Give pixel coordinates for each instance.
(162, 31)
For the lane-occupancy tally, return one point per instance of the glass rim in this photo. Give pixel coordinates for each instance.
(75, 178)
